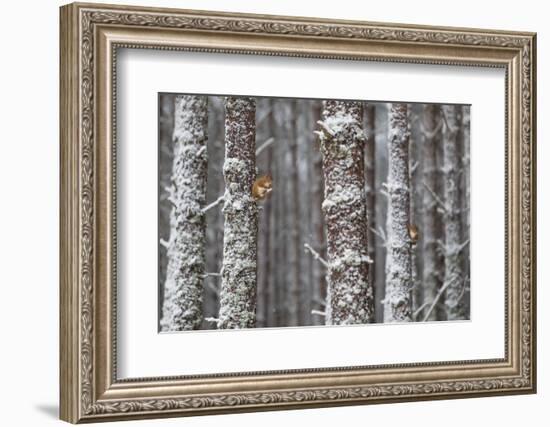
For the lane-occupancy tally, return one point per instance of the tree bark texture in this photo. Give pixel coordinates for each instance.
(465, 203)
(214, 216)
(351, 297)
(454, 275)
(285, 117)
(431, 221)
(318, 234)
(182, 308)
(238, 291)
(370, 183)
(166, 154)
(398, 298)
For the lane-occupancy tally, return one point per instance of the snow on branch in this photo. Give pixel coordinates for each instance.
(215, 203)
(413, 168)
(381, 234)
(212, 320)
(316, 255)
(318, 313)
(266, 144)
(435, 196)
(326, 128)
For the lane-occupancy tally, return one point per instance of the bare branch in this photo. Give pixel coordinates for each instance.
(380, 234)
(316, 255)
(266, 144)
(463, 245)
(264, 116)
(435, 196)
(325, 128)
(320, 302)
(213, 204)
(205, 275)
(434, 302)
(318, 313)
(201, 150)
(419, 309)
(413, 168)
(318, 133)
(215, 289)
(385, 194)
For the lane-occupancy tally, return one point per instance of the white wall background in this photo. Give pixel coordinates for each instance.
(29, 171)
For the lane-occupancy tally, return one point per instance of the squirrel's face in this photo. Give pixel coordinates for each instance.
(268, 183)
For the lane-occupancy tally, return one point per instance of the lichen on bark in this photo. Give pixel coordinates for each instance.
(350, 297)
(238, 290)
(399, 283)
(182, 307)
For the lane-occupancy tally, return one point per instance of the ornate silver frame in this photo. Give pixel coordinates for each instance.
(90, 35)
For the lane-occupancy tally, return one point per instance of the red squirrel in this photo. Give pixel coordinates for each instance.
(262, 187)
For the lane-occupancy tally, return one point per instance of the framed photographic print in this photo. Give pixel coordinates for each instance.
(267, 212)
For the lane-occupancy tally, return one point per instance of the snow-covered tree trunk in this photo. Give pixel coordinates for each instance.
(414, 209)
(465, 203)
(238, 291)
(306, 145)
(398, 298)
(381, 208)
(431, 227)
(317, 224)
(166, 153)
(454, 275)
(214, 216)
(351, 297)
(182, 309)
(370, 184)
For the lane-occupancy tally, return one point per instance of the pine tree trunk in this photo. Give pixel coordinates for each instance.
(182, 308)
(214, 217)
(279, 199)
(351, 296)
(381, 211)
(317, 224)
(306, 145)
(398, 298)
(465, 203)
(265, 258)
(294, 247)
(370, 184)
(431, 225)
(166, 153)
(238, 291)
(414, 210)
(454, 276)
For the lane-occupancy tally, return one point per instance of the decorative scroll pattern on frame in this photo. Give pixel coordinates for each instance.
(90, 18)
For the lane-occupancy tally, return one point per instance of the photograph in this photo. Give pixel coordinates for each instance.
(277, 212)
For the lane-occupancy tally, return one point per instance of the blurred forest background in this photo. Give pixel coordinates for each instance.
(292, 261)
